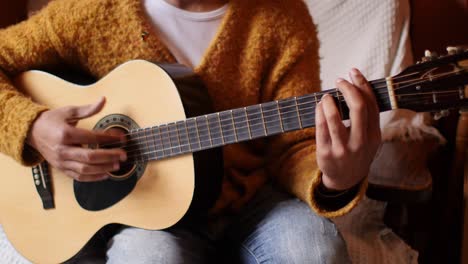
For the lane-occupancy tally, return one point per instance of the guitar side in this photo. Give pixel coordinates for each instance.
(160, 198)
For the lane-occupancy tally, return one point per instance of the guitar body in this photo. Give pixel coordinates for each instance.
(156, 195)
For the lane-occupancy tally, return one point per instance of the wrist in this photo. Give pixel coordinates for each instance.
(30, 137)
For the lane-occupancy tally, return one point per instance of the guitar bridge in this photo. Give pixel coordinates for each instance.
(41, 178)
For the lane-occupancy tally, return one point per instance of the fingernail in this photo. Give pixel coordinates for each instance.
(116, 166)
(355, 72)
(123, 157)
(323, 96)
(340, 80)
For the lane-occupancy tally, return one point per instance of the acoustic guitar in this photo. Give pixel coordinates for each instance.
(175, 165)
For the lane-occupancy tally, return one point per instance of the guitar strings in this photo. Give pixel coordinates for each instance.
(193, 129)
(151, 140)
(142, 157)
(384, 80)
(145, 152)
(292, 106)
(230, 120)
(200, 142)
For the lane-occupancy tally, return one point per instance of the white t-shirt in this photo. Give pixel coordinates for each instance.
(186, 34)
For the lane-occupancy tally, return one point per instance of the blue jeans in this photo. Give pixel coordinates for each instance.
(273, 228)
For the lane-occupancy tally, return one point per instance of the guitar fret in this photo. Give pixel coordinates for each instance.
(203, 132)
(183, 137)
(152, 143)
(299, 114)
(134, 137)
(263, 120)
(248, 125)
(256, 121)
(242, 129)
(159, 147)
(169, 137)
(306, 108)
(227, 127)
(271, 118)
(338, 97)
(215, 130)
(178, 137)
(142, 139)
(290, 117)
(188, 136)
(161, 140)
(150, 152)
(221, 129)
(209, 130)
(165, 140)
(142, 143)
(173, 137)
(234, 126)
(281, 119)
(193, 134)
(198, 133)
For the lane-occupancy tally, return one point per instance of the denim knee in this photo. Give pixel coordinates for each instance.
(133, 245)
(293, 233)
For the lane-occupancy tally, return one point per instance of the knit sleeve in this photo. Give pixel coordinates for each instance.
(23, 47)
(292, 156)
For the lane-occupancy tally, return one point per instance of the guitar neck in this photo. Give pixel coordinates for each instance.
(237, 125)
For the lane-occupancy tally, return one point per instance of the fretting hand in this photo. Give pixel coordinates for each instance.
(345, 155)
(55, 135)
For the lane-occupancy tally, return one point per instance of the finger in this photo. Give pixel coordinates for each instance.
(93, 156)
(88, 169)
(336, 129)
(86, 178)
(357, 111)
(321, 129)
(79, 112)
(83, 136)
(360, 81)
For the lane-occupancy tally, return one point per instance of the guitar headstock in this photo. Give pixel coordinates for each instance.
(435, 83)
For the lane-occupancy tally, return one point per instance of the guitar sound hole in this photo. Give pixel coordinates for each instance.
(126, 169)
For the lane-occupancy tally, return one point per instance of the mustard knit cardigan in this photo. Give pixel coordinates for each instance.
(264, 50)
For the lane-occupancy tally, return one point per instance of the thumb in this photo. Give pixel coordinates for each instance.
(84, 111)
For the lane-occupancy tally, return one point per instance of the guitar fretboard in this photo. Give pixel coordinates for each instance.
(236, 125)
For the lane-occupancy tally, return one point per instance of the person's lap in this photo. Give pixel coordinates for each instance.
(273, 228)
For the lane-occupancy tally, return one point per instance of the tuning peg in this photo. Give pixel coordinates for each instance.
(452, 50)
(429, 56)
